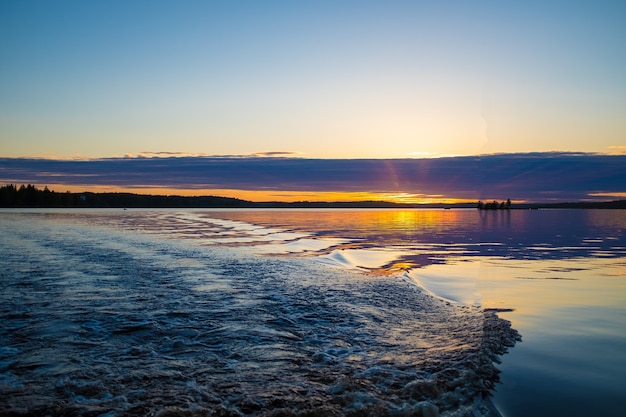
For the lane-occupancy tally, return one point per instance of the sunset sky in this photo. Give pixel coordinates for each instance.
(317, 80)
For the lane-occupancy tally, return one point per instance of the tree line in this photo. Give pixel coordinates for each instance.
(494, 205)
(31, 196)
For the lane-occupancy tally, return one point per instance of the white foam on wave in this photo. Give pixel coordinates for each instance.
(300, 246)
(244, 232)
(361, 258)
(267, 240)
(187, 328)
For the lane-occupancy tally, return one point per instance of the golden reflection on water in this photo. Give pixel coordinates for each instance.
(359, 221)
(530, 261)
(562, 272)
(536, 289)
(559, 276)
(590, 282)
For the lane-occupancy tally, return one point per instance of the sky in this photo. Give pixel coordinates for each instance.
(317, 80)
(530, 177)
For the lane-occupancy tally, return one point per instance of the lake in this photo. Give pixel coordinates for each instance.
(377, 311)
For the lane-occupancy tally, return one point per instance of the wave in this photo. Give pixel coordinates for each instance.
(102, 320)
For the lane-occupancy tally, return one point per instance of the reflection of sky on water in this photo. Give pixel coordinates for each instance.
(561, 271)
(414, 240)
(419, 238)
(521, 259)
(105, 312)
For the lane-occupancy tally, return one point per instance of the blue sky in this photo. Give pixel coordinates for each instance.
(325, 85)
(319, 79)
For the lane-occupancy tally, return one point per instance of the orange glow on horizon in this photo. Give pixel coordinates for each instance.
(611, 195)
(269, 195)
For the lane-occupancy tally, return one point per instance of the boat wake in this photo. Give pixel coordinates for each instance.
(100, 321)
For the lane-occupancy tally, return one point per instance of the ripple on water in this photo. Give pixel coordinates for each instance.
(184, 330)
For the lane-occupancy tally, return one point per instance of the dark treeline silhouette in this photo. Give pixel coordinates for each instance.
(31, 196)
(494, 205)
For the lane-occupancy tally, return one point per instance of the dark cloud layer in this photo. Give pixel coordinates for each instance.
(535, 176)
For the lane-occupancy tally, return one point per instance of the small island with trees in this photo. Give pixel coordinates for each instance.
(494, 205)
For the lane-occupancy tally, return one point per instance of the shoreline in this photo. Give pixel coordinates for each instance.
(32, 197)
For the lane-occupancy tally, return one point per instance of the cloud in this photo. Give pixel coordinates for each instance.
(532, 177)
(275, 154)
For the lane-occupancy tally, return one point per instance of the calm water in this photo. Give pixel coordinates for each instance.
(131, 312)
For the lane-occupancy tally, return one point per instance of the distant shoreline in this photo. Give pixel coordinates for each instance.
(32, 197)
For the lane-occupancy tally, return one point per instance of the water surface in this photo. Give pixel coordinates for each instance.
(562, 272)
(256, 310)
(168, 312)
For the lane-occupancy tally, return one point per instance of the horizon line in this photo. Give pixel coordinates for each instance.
(433, 202)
